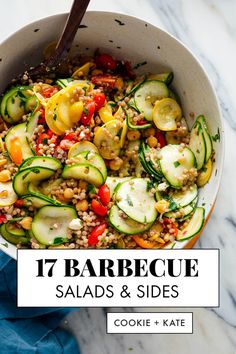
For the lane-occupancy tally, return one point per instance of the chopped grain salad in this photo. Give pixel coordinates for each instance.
(100, 159)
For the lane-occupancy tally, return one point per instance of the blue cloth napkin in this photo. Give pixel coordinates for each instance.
(29, 330)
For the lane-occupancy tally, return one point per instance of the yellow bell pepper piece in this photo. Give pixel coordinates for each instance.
(83, 70)
(205, 174)
(16, 150)
(143, 243)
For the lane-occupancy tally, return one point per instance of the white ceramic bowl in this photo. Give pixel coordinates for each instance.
(130, 38)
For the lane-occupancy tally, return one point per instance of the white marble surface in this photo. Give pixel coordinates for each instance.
(208, 28)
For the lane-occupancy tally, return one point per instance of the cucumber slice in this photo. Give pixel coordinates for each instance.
(186, 211)
(85, 172)
(93, 159)
(113, 182)
(134, 88)
(183, 198)
(4, 112)
(135, 126)
(81, 146)
(125, 225)
(47, 186)
(12, 229)
(131, 103)
(11, 197)
(150, 167)
(134, 199)
(31, 103)
(39, 200)
(50, 224)
(194, 227)
(174, 162)
(32, 123)
(22, 179)
(145, 165)
(41, 161)
(15, 107)
(11, 238)
(147, 94)
(198, 145)
(167, 78)
(64, 82)
(19, 132)
(207, 137)
(153, 160)
(14, 101)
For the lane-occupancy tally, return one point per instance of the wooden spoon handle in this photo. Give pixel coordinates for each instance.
(72, 24)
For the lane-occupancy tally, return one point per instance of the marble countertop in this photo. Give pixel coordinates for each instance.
(208, 28)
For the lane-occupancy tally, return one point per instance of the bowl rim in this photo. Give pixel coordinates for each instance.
(197, 62)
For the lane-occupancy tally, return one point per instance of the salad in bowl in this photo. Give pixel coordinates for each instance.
(101, 158)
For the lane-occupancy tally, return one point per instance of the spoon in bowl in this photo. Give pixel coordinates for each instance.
(64, 43)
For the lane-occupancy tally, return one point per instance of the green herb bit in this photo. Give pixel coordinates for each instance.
(150, 185)
(216, 137)
(176, 164)
(129, 201)
(45, 141)
(58, 240)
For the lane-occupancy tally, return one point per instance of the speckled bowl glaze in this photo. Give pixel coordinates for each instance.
(133, 39)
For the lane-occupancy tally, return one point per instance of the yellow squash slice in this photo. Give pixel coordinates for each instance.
(205, 174)
(7, 194)
(83, 70)
(80, 147)
(166, 113)
(60, 110)
(107, 139)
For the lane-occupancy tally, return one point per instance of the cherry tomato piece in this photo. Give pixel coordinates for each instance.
(141, 122)
(99, 99)
(42, 139)
(106, 80)
(3, 218)
(98, 208)
(50, 133)
(70, 136)
(104, 194)
(47, 92)
(66, 144)
(19, 203)
(87, 114)
(161, 138)
(106, 62)
(172, 225)
(97, 231)
(129, 70)
(42, 119)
